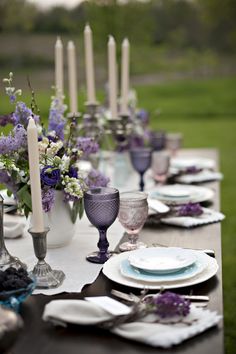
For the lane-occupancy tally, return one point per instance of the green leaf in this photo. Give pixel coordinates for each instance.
(25, 197)
(77, 208)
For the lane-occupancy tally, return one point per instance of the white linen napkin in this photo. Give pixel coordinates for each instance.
(61, 312)
(13, 229)
(202, 176)
(209, 216)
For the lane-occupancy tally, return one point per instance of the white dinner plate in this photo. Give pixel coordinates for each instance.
(137, 274)
(162, 260)
(177, 194)
(182, 163)
(111, 269)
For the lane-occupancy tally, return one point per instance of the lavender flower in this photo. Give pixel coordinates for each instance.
(193, 170)
(48, 199)
(169, 305)
(73, 172)
(87, 145)
(56, 118)
(6, 119)
(96, 179)
(13, 142)
(190, 209)
(143, 116)
(22, 114)
(50, 176)
(7, 181)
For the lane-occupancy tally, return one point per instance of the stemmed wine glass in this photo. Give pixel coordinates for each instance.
(141, 159)
(102, 207)
(132, 216)
(174, 142)
(160, 166)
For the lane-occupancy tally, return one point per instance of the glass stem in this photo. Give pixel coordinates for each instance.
(141, 184)
(133, 238)
(103, 244)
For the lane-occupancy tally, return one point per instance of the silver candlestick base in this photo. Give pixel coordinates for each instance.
(6, 260)
(46, 277)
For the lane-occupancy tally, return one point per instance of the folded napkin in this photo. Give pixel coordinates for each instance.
(155, 206)
(61, 312)
(202, 176)
(207, 217)
(13, 229)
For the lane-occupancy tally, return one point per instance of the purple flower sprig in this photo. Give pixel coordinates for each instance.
(168, 305)
(13, 142)
(96, 179)
(190, 209)
(48, 198)
(192, 170)
(87, 145)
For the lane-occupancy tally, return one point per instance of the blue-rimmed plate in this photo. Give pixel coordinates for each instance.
(127, 270)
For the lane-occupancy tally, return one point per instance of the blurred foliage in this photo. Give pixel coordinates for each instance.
(182, 23)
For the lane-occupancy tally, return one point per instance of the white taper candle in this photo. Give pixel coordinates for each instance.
(72, 76)
(112, 77)
(125, 76)
(59, 66)
(35, 185)
(89, 64)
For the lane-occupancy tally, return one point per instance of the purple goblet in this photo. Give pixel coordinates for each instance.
(141, 159)
(102, 207)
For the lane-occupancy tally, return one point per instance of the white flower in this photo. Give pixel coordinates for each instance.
(73, 187)
(65, 163)
(2, 166)
(43, 146)
(54, 148)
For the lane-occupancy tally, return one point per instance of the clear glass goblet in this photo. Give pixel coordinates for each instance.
(132, 216)
(160, 166)
(141, 159)
(174, 142)
(102, 207)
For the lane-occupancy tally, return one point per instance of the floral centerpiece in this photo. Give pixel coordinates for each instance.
(59, 153)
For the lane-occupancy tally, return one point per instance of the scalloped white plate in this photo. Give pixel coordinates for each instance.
(162, 260)
(111, 269)
(177, 194)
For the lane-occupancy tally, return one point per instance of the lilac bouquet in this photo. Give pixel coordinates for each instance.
(58, 155)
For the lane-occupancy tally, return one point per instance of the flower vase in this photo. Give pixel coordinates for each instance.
(62, 229)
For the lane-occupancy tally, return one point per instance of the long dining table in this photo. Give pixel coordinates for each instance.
(39, 337)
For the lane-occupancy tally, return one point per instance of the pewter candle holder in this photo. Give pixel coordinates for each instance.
(91, 125)
(120, 128)
(6, 259)
(46, 277)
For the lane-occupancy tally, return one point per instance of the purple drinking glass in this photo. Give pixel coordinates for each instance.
(141, 159)
(102, 207)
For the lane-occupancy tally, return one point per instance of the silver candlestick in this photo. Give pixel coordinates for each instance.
(91, 125)
(6, 260)
(46, 277)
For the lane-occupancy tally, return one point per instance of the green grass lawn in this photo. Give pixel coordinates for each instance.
(205, 112)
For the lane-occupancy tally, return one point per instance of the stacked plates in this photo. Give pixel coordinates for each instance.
(155, 268)
(177, 194)
(198, 162)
